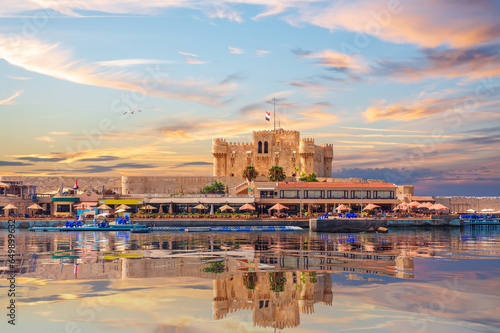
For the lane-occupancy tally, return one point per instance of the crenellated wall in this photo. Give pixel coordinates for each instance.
(272, 147)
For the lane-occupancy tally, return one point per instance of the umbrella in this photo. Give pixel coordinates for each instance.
(123, 206)
(438, 207)
(278, 207)
(211, 209)
(35, 206)
(83, 205)
(171, 208)
(226, 207)
(104, 207)
(414, 204)
(342, 207)
(9, 206)
(247, 206)
(161, 209)
(148, 207)
(120, 211)
(424, 205)
(200, 206)
(371, 207)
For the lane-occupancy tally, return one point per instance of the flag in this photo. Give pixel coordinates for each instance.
(76, 185)
(268, 116)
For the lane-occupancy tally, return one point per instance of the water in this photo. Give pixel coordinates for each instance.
(409, 280)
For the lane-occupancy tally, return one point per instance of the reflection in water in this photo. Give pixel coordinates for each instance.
(276, 298)
(275, 276)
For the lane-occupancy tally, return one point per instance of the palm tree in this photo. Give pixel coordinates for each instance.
(250, 173)
(276, 174)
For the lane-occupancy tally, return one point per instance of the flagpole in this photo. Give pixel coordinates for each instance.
(274, 116)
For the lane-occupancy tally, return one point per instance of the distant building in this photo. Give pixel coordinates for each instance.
(273, 147)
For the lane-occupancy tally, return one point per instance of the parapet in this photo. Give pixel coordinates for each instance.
(219, 140)
(307, 140)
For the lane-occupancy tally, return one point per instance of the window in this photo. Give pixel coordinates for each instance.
(289, 194)
(392, 194)
(355, 194)
(384, 194)
(335, 194)
(314, 194)
(260, 147)
(265, 147)
(375, 194)
(368, 194)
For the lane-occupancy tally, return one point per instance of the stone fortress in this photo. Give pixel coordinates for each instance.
(272, 147)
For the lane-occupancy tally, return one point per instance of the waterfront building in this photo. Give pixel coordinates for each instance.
(272, 147)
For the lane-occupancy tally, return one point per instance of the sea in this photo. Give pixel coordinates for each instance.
(406, 280)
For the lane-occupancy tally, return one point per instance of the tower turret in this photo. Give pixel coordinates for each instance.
(306, 153)
(219, 152)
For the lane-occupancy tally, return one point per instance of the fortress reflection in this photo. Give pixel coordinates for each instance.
(276, 298)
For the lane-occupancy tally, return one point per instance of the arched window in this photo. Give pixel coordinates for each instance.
(265, 147)
(260, 147)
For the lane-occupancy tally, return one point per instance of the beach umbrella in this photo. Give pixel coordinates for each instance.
(371, 207)
(171, 208)
(104, 207)
(414, 204)
(161, 210)
(35, 206)
(90, 212)
(278, 207)
(342, 208)
(211, 209)
(103, 214)
(423, 205)
(247, 206)
(123, 206)
(226, 207)
(200, 207)
(438, 207)
(9, 206)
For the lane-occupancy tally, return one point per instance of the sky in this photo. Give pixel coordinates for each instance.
(407, 91)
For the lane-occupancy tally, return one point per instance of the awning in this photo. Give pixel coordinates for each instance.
(121, 202)
(65, 199)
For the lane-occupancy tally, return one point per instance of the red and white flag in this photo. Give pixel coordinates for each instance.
(268, 116)
(76, 185)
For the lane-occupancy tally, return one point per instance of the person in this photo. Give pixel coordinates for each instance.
(95, 220)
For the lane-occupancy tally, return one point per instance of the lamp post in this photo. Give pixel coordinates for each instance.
(361, 209)
(300, 197)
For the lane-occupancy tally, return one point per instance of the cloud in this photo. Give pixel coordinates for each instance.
(18, 77)
(262, 53)
(100, 159)
(60, 133)
(45, 138)
(235, 77)
(235, 50)
(40, 159)
(182, 165)
(474, 63)
(7, 163)
(55, 61)
(271, 10)
(100, 168)
(427, 23)
(331, 58)
(131, 62)
(223, 10)
(10, 100)
(188, 54)
(194, 61)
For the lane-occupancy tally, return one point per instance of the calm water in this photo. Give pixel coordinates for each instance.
(436, 280)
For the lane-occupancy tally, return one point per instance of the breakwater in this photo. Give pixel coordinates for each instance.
(361, 225)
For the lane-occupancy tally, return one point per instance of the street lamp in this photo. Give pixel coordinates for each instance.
(300, 197)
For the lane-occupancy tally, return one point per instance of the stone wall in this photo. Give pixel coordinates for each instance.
(460, 205)
(135, 184)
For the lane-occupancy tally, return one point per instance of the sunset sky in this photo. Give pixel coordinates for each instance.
(407, 91)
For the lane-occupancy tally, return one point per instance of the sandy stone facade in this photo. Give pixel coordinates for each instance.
(272, 147)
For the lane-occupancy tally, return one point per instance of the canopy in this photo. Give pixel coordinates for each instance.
(123, 206)
(278, 207)
(148, 207)
(200, 206)
(103, 214)
(247, 206)
(414, 204)
(371, 207)
(226, 207)
(85, 205)
(106, 207)
(342, 207)
(90, 212)
(424, 205)
(9, 206)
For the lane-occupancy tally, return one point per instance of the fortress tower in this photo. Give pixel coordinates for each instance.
(272, 147)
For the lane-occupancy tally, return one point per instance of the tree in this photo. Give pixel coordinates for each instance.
(250, 173)
(310, 178)
(276, 174)
(296, 170)
(214, 188)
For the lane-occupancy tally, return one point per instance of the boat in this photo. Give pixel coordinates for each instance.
(140, 230)
(91, 227)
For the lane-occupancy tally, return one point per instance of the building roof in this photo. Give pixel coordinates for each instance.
(335, 185)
